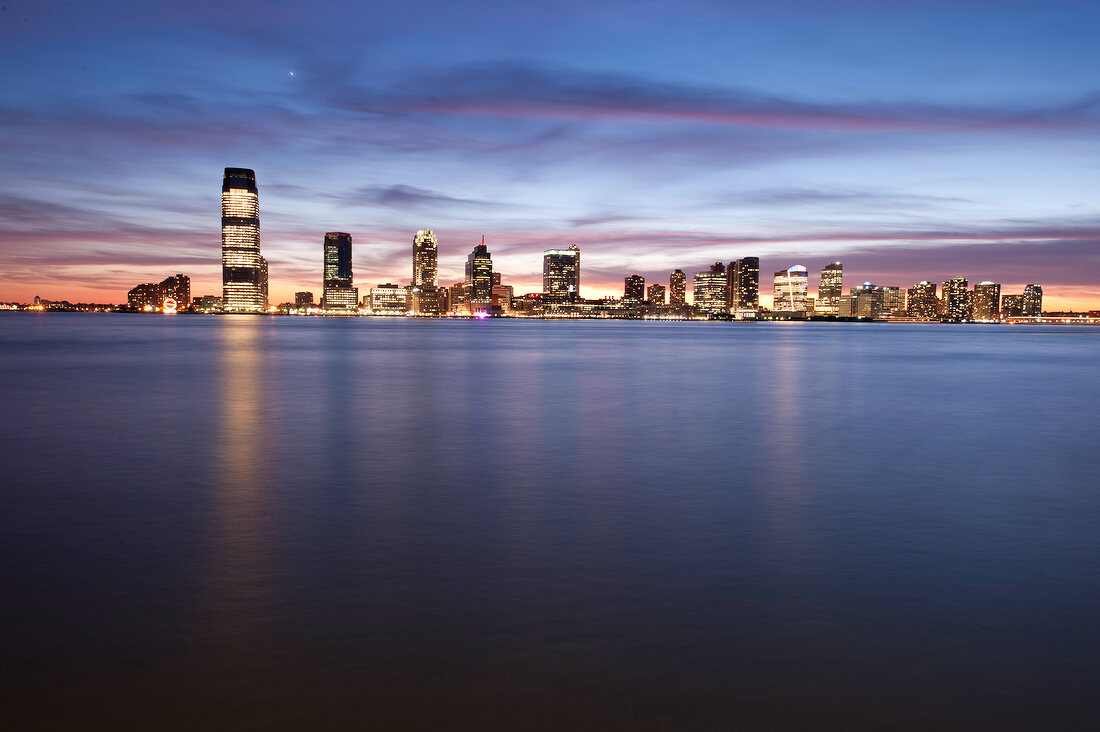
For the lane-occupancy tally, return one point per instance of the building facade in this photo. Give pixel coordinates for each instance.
(655, 295)
(425, 259)
(634, 288)
(338, 292)
(389, 299)
(986, 305)
(922, 301)
(830, 289)
(1012, 306)
(561, 274)
(956, 300)
(677, 288)
(710, 289)
(789, 289)
(1033, 300)
(479, 278)
(244, 283)
(744, 283)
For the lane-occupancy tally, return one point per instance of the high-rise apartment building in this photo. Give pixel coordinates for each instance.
(339, 294)
(479, 278)
(893, 301)
(244, 281)
(744, 283)
(711, 289)
(634, 288)
(1012, 306)
(303, 299)
(677, 288)
(922, 300)
(655, 294)
(177, 287)
(561, 274)
(1033, 300)
(956, 300)
(789, 289)
(425, 259)
(830, 289)
(986, 302)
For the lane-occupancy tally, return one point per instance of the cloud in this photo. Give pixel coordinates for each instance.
(404, 196)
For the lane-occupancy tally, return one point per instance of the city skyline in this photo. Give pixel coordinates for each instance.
(912, 143)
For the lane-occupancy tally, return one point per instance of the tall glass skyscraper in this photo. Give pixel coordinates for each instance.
(1033, 300)
(831, 288)
(744, 283)
(425, 259)
(711, 289)
(561, 274)
(479, 277)
(789, 289)
(677, 288)
(339, 294)
(244, 271)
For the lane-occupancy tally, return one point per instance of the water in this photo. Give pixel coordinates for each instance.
(261, 523)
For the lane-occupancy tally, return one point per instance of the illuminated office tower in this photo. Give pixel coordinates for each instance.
(1033, 300)
(677, 288)
(711, 289)
(338, 293)
(987, 301)
(744, 283)
(655, 294)
(1012, 306)
(243, 276)
(867, 300)
(956, 299)
(922, 300)
(634, 288)
(425, 259)
(830, 289)
(479, 277)
(789, 289)
(561, 274)
(893, 300)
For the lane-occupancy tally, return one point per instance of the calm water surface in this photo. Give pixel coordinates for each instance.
(282, 523)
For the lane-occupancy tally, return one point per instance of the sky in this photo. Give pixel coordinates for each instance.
(910, 140)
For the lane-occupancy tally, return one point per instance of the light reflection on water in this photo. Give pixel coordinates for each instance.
(408, 524)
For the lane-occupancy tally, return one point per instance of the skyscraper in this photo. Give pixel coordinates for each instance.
(1012, 306)
(479, 278)
(1033, 300)
(243, 280)
(711, 289)
(561, 274)
(830, 289)
(956, 299)
(425, 259)
(634, 288)
(987, 301)
(677, 288)
(655, 294)
(789, 289)
(744, 283)
(922, 300)
(338, 293)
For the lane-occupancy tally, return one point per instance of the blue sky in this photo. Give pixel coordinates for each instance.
(916, 140)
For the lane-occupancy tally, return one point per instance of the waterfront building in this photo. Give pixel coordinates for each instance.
(143, 296)
(458, 298)
(655, 295)
(561, 274)
(303, 299)
(244, 281)
(789, 289)
(389, 299)
(207, 304)
(1033, 300)
(986, 302)
(1012, 306)
(677, 288)
(502, 297)
(922, 301)
(711, 289)
(956, 300)
(338, 292)
(830, 289)
(868, 300)
(893, 301)
(744, 283)
(634, 288)
(425, 259)
(479, 278)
